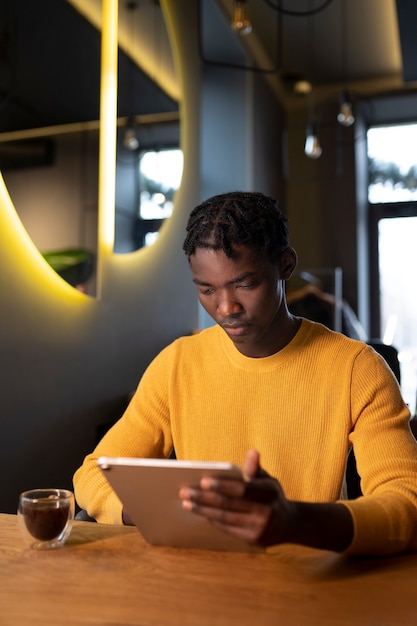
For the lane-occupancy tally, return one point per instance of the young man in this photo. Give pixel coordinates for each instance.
(265, 387)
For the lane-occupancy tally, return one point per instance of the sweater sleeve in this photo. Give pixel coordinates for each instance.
(385, 517)
(142, 431)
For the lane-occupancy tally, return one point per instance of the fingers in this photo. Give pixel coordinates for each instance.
(228, 497)
(246, 521)
(243, 508)
(233, 494)
(248, 509)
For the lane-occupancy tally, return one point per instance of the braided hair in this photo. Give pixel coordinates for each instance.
(238, 218)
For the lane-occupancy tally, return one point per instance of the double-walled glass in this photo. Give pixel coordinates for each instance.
(45, 517)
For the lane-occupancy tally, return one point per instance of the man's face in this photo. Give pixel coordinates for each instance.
(244, 295)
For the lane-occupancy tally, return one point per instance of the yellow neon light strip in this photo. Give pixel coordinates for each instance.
(108, 114)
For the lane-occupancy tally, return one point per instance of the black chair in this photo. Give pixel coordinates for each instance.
(390, 354)
(83, 516)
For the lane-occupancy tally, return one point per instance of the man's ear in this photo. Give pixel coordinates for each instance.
(288, 263)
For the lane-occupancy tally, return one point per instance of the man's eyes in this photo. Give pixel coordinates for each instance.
(250, 282)
(207, 291)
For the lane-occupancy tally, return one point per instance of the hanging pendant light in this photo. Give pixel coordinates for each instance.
(345, 115)
(130, 132)
(312, 147)
(240, 21)
(130, 137)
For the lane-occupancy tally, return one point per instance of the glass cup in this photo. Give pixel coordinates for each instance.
(45, 517)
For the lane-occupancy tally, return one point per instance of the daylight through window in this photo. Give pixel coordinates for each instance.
(392, 158)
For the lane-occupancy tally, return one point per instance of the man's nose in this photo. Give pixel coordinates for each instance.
(227, 304)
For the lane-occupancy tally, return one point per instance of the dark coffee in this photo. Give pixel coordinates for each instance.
(44, 520)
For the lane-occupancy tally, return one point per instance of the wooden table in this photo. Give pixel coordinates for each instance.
(108, 575)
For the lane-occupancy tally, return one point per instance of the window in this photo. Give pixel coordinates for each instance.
(160, 173)
(392, 195)
(392, 163)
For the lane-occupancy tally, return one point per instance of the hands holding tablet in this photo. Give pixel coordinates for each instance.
(256, 510)
(245, 509)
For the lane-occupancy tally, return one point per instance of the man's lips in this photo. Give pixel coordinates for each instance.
(237, 328)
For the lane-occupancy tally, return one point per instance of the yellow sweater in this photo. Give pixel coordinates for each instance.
(301, 408)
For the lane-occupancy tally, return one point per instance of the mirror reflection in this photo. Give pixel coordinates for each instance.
(146, 182)
(149, 161)
(49, 128)
(57, 200)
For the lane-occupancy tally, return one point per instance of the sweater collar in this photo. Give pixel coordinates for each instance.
(269, 362)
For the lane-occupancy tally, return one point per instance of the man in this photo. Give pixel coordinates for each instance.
(263, 386)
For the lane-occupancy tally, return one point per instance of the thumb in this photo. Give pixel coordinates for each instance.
(251, 465)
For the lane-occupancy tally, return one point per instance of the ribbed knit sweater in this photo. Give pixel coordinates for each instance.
(302, 408)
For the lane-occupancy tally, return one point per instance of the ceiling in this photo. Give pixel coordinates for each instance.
(367, 46)
(359, 44)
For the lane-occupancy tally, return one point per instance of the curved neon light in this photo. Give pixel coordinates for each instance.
(108, 126)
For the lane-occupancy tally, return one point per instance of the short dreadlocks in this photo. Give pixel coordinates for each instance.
(238, 218)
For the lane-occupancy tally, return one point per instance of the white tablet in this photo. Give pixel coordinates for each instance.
(148, 489)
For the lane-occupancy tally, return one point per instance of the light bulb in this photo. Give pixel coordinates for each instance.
(345, 115)
(240, 21)
(130, 141)
(302, 87)
(312, 146)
